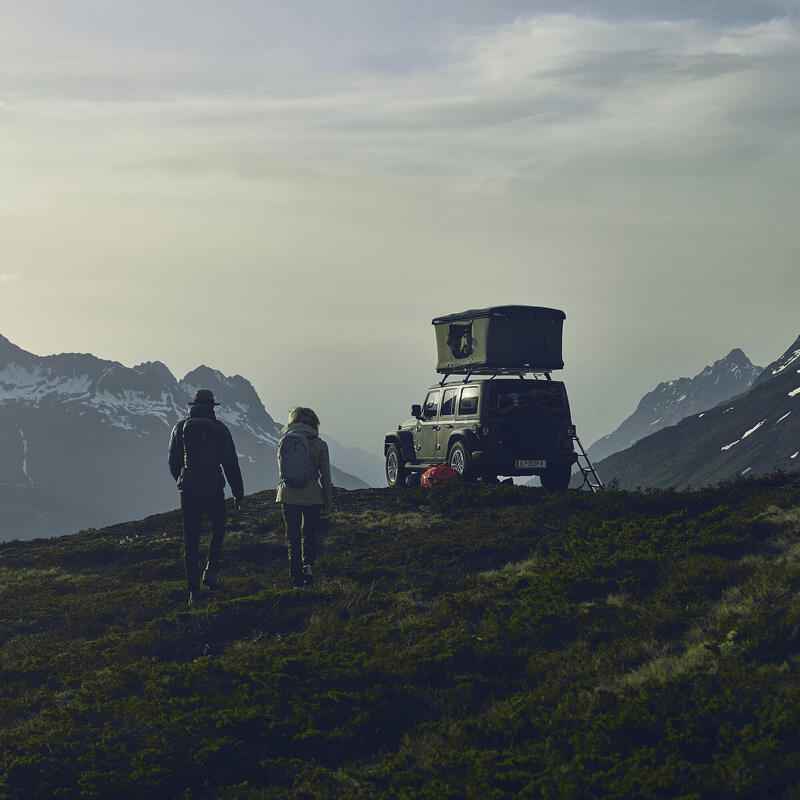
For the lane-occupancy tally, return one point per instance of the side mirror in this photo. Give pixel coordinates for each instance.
(416, 411)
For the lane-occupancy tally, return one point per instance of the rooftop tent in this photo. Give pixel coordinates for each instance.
(500, 338)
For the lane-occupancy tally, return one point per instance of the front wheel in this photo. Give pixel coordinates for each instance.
(460, 461)
(556, 478)
(395, 466)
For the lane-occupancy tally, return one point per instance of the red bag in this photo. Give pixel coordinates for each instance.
(441, 473)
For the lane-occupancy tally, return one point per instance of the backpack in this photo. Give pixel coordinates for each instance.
(294, 463)
(200, 455)
(441, 473)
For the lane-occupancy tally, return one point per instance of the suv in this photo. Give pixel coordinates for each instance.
(485, 427)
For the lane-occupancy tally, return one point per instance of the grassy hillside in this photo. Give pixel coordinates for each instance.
(466, 642)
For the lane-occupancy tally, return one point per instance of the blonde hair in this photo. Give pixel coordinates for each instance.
(305, 416)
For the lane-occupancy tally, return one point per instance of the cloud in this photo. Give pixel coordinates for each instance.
(504, 94)
(557, 101)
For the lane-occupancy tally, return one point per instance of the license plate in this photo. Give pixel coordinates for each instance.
(530, 463)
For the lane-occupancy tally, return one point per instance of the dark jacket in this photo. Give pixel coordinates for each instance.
(226, 457)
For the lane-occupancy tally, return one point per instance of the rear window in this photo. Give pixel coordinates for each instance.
(503, 396)
(468, 404)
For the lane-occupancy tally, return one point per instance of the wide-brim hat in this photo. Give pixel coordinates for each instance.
(203, 397)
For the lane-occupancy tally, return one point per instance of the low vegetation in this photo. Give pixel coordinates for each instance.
(462, 642)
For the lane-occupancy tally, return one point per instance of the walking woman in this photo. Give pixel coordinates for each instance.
(305, 491)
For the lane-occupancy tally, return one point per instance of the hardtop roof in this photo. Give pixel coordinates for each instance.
(539, 311)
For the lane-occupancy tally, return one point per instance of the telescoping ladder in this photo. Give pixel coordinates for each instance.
(590, 476)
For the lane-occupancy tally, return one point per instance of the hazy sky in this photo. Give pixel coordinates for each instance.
(292, 191)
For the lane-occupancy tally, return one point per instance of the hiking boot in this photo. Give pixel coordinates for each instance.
(308, 575)
(210, 578)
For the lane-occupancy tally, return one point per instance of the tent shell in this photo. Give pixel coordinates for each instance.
(500, 339)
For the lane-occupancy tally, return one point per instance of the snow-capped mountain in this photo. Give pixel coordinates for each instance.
(672, 401)
(83, 441)
(753, 433)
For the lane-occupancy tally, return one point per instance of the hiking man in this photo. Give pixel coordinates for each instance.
(200, 448)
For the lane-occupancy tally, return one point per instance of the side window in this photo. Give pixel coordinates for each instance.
(469, 400)
(431, 404)
(449, 403)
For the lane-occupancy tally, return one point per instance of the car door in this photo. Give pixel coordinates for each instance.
(427, 427)
(447, 421)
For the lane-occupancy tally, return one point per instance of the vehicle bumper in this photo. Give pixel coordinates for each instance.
(500, 462)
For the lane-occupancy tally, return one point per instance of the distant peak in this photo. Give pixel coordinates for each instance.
(9, 351)
(157, 368)
(207, 375)
(737, 356)
(204, 377)
(736, 360)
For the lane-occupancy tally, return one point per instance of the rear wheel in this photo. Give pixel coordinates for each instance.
(556, 478)
(460, 461)
(395, 466)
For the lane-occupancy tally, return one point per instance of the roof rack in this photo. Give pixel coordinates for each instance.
(493, 372)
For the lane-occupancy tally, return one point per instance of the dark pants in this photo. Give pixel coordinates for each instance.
(194, 506)
(301, 530)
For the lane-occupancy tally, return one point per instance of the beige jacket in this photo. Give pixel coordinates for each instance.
(319, 490)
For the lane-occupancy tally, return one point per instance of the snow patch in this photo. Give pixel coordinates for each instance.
(796, 391)
(789, 361)
(24, 455)
(783, 417)
(32, 384)
(682, 397)
(795, 455)
(745, 471)
(753, 429)
(116, 407)
(655, 421)
(744, 436)
(728, 409)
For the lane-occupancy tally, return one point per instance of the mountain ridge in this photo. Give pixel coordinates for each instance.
(756, 432)
(673, 400)
(783, 362)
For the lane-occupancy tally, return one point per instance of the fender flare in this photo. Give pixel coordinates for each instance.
(469, 439)
(404, 440)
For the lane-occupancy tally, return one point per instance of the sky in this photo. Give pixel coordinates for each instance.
(291, 192)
